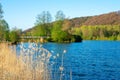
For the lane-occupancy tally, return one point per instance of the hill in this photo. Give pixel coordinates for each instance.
(104, 19)
(112, 18)
(98, 27)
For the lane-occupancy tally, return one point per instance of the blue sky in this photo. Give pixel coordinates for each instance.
(22, 13)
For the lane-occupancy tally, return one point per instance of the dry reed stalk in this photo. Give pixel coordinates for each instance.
(10, 65)
(13, 67)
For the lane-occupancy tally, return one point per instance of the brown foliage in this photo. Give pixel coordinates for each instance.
(104, 19)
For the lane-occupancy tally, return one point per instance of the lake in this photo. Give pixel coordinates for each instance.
(88, 60)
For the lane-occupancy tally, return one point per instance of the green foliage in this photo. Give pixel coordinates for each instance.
(39, 31)
(4, 30)
(14, 35)
(61, 30)
(57, 33)
(43, 25)
(112, 38)
(103, 27)
(99, 32)
(59, 36)
(118, 37)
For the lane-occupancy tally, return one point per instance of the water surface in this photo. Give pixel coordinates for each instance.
(89, 60)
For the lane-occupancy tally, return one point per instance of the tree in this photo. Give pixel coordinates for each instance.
(43, 18)
(4, 30)
(56, 31)
(61, 31)
(59, 15)
(39, 31)
(43, 25)
(14, 35)
(1, 12)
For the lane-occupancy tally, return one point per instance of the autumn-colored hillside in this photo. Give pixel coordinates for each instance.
(99, 27)
(104, 19)
(112, 18)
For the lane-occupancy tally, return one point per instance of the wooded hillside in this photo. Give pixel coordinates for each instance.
(100, 27)
(112, 18)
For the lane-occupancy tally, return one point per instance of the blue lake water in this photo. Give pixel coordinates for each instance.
(88, 60)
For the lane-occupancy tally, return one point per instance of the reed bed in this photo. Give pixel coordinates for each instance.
(30, 62)
(27, 65)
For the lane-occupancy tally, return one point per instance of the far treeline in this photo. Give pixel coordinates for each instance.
(57, 31)
(101, 27)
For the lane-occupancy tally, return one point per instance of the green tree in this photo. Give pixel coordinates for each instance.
(56, 31)
(4, 28)
(43, 25)
(39, 31)
(59, 31)
(15, 34)
(101, 32)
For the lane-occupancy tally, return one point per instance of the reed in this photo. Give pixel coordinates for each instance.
(31, 62)
(28, 65)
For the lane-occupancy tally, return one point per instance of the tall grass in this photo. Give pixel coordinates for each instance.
(30, 62)
(28, 65)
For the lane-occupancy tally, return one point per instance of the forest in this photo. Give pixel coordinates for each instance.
(101, 27)
(62, 29)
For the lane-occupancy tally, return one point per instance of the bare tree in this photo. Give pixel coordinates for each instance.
(43, 18)
(59, 15)
(1, 12)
